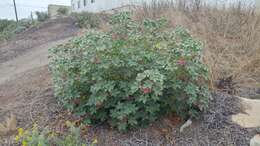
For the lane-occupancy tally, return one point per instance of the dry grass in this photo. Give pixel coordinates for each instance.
(231, 37)
(9, 126)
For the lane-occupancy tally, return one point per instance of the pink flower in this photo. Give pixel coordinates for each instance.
(181, 62)
(146, 90)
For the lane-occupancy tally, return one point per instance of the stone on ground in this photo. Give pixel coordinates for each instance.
(250, 118)
(255, 141)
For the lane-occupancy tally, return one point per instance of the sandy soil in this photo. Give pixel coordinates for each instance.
(27, 96)
(50, 31)
(36, 57)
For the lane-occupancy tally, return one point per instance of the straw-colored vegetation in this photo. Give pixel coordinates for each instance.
(231, 37)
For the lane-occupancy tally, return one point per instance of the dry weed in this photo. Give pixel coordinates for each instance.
(9, 126)
(231, 37)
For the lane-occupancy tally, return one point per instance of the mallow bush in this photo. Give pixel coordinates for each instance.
(132, 75)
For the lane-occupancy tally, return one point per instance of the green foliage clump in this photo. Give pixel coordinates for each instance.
(87, 20)
(24, 24)
(7, 29)
(63, 11)
(45, 137)
(4, 24)
(131, 75)
(42, 16)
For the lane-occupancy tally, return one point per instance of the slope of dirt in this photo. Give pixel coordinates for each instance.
(50, 31)
(34, 58)
(25, 83)
(28, 97)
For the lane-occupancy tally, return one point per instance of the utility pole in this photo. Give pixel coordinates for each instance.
(32, 16)
(15, 10)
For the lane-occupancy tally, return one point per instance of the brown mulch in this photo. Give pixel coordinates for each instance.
(214, 128)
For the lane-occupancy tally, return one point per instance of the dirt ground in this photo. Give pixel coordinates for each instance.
(26, 91)
(50, 31)
(25, 83)
(214, 128)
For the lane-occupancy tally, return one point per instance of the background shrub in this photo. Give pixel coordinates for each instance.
(87, 20)
(24, 24)
(63, 11)
(4, 24)
(131, 75)
(42, 16)
(8, 28)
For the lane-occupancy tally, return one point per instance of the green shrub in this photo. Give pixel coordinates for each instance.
(24, 24)
(34, 137)
(7, 29)
(63, 11)
(42, 16)
(131, 75)
(87, 20)
(45, 137)
(4, 24)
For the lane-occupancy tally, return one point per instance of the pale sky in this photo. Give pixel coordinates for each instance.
(25, 7)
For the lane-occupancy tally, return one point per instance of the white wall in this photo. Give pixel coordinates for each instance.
(258, 4)
(101, 5)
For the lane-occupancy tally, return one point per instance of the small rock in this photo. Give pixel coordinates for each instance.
(185, 125)
(249, 118)
(255, 141)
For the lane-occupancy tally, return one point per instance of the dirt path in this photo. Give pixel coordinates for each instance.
(35, 58)
(50, 31)
(29, 49)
